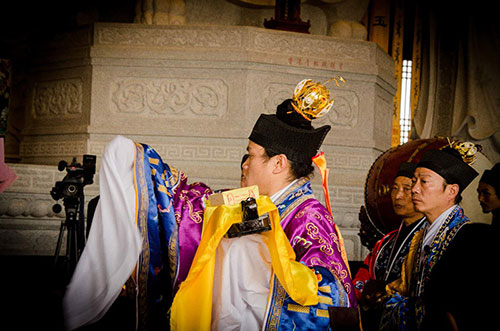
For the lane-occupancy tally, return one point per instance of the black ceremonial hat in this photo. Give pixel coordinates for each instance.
(406, 169)
(449, 163)
(492, 177)
(289, 131)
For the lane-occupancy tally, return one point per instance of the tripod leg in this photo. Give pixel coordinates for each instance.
(59, 241)
(71, 250)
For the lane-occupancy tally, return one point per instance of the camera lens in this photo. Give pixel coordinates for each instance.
(71, 190)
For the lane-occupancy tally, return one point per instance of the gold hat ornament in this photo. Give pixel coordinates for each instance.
(312, 100)
(467, 150)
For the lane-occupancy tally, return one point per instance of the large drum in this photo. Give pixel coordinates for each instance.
(377, 216)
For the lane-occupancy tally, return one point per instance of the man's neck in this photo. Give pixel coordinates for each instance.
(411, 219)
(433, 214)
(281, 189)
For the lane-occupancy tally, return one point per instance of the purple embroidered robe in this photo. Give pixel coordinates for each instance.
(312, 234)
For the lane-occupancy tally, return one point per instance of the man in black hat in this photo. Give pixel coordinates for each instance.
(281, 149)
(383, 264)
(488, 192)
(385, 260)
(439, 179)
(471, 252)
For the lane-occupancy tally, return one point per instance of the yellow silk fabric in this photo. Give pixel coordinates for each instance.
(192, 305)
(402, 284)
(320, 162)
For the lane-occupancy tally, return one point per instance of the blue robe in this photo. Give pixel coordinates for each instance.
(405, 308)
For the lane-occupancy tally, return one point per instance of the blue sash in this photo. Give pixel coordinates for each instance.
(156, 222)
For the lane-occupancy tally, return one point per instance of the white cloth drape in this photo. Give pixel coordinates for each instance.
(114, 242)
(241, 283)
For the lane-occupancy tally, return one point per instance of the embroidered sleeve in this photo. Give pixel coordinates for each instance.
(315, 242)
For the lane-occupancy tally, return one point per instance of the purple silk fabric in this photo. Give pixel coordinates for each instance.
(189, 209)
(311, 231)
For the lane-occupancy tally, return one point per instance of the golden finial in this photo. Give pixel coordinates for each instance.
(312, 100)
(467, 150)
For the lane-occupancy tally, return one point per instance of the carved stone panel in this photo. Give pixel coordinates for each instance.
(129, 35)
(52, 99)
(174, 97)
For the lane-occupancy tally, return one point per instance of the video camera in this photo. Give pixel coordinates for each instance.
(70, 189)
(78, 175)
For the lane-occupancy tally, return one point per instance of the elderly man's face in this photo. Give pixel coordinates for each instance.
(488, 197)
(257, 170)
(429, 192)
(401, 197)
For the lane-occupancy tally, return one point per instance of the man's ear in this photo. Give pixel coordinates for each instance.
(453, 191)
(280, 163)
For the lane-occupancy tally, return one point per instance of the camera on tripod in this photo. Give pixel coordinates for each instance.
(70, 189)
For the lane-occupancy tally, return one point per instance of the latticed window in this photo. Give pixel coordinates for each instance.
(405, 108)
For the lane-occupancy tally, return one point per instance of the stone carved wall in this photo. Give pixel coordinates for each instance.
(121, 35)
(49, 151)
(186, 98)
(302, 45)
(193, 93)
(57, 98)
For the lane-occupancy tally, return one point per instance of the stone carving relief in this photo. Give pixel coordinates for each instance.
(345, 111)
(186, 38)
(189, 98)
(179, 151)
(53, 99)
(302, 45)
(52, 148)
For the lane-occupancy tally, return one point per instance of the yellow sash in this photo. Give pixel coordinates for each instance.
(402, 284)
(192, 305)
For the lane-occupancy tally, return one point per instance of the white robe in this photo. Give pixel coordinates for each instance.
(114, 242)
(242, 279)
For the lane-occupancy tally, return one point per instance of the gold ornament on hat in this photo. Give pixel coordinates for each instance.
(312, 100)
(467, 150)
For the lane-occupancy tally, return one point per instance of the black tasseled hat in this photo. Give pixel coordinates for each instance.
(449, 164)
(289, 133)
(492, 177)
(406, 169)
